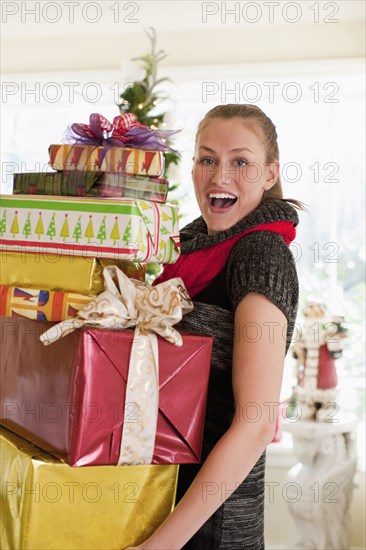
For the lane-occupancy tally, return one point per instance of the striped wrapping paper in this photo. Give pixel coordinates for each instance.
(113, 159)
(91, 184)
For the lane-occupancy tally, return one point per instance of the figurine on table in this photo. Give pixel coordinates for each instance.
(319, 344)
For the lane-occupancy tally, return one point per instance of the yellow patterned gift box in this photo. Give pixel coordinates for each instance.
(46, 504)
(113, 159)
(60, 273)
(119, 229)
(40, 304)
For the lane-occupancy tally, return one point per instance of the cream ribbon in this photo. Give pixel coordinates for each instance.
(152, 310)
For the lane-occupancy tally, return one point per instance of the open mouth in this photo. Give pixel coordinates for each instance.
(222, 200)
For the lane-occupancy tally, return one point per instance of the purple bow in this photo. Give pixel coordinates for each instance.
(125, 131)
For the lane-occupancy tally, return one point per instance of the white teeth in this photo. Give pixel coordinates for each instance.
(221, 196)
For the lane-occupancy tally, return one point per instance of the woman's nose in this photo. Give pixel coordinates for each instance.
(223, 174)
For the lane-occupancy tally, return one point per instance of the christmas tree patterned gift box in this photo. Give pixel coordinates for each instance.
(119, 229)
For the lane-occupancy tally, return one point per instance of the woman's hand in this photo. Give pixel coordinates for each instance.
(143, 546)
(153, 543)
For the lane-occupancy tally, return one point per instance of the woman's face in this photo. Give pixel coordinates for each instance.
(230, 172)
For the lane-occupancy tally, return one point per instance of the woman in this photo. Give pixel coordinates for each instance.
(238, 268)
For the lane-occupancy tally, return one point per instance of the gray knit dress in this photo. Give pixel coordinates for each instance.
(259, 262)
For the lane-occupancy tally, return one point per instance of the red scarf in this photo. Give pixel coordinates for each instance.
(198, 269)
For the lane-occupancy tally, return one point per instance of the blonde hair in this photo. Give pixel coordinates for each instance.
(268, 133)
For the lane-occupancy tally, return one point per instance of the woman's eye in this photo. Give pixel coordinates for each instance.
(240, 162)
(206, 161)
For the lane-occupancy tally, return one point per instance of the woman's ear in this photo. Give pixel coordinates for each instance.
(272, 173)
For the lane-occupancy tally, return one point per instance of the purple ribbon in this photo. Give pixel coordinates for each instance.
(124, 132)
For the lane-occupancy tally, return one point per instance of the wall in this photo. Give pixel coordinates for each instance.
(56, 38)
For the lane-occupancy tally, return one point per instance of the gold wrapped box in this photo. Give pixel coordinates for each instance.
(46, 504)
(66, 273)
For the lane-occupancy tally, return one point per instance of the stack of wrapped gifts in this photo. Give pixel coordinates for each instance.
(102, 398)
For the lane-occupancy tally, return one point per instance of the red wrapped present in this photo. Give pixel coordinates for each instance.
(70, 399)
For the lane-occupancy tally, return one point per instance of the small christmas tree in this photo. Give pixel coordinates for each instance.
(89, 232)
(127, 235)
(3, 224)
(115, 235)
(139, 237)
(141, 98)
(65, 228)
(162, 245)
(102, 233)
(77, 231)
(164, 230)
(39, 227)
(51, 231)
(15, 225)
(27, 227)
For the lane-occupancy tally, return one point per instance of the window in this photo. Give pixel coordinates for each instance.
(317, 109)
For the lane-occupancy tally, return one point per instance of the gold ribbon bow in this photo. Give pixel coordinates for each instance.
(152, 310)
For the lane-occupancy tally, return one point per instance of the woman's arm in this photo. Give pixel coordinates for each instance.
(258, 358)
